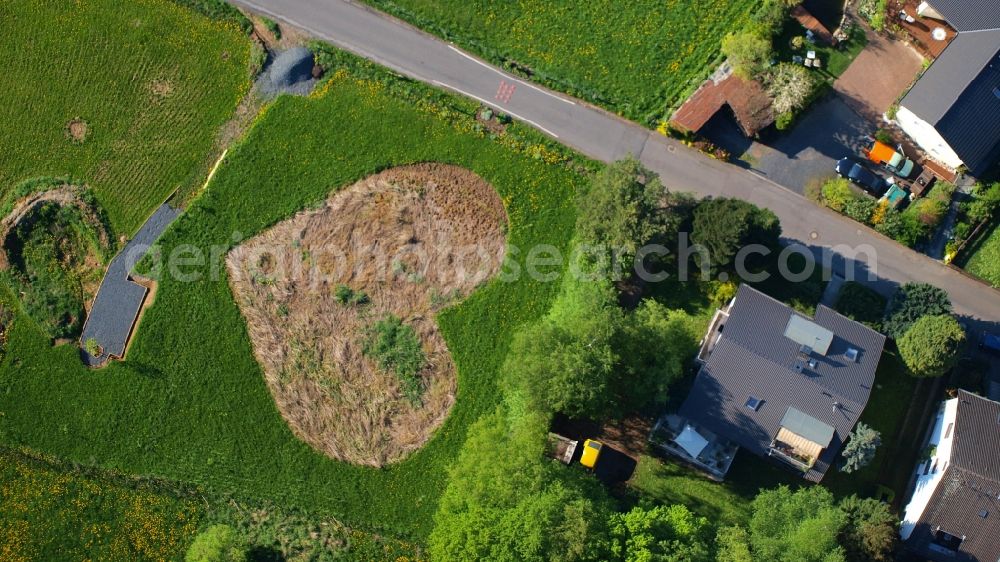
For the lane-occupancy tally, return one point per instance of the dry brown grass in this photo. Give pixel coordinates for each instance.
(414, 239)
(76, 130)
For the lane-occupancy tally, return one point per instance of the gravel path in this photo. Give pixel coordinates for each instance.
(119, 299)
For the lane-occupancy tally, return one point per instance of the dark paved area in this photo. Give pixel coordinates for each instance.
(826, 133)
(119, 299)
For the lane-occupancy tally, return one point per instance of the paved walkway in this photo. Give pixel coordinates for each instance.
(877, 77)
(119, 300)
(607, 137)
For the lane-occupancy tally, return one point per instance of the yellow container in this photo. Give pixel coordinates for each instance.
(591, 450)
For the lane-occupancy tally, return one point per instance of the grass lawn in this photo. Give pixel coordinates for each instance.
(190, 403)
(984, 261)
(51, 514)
(887, 406)
(54, 511)
(637, 58)
(146, 83)
(835, 59)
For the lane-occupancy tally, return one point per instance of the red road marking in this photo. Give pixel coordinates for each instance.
(505, 91)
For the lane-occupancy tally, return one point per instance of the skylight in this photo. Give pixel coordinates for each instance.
(851, 354)
(754, 403)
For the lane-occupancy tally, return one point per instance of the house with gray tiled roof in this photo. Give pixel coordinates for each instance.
(777, 383)
(953, 512)
(953, 111)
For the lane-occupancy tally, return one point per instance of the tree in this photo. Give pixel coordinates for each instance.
(871, 530)
(800, 526)
(911, 302)
(503, 502)
(661, 534)
(653, 343)
(931, 346)
(724, 226)
(748, 52)
(218, 543)
(790, 85)
(622, 210)
(732, 544)
(565, 362)
(861, 447)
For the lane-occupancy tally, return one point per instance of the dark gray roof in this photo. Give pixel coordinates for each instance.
(969, 15)
(118, 300)
(956, 96)
(976, 447)
(969, 488)
(754, 358)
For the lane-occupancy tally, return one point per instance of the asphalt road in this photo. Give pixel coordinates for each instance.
(604, 136)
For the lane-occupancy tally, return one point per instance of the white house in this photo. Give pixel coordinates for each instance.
(954, 512)
(953, 111)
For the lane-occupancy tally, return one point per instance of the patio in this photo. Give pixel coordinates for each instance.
(695, 445)
(930, 36)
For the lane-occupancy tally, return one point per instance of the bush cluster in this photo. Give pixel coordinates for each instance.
(396, 348)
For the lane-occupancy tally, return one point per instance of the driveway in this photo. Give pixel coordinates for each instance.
(877, 77)
(839, 124)
(826, 133)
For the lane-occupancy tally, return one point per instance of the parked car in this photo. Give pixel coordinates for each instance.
(859, 173)
(990, 343)
(892, 159)
(591, 451)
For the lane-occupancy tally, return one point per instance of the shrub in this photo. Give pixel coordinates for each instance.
(874, 11)
(931, 346)
(861, 447)
(346, 295)
(51, 256)
(748, 52)
(860, 303)
(92, 347)
(910, 303)
(217, 543)
(271, 26)
(884, 136)
(395, 348)
(837, 194)
(985, 202)
(798, 42)
(784, 121)
(904, 228)
(790, 85)
(861, 209)
(813, 190)
(721, 292)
